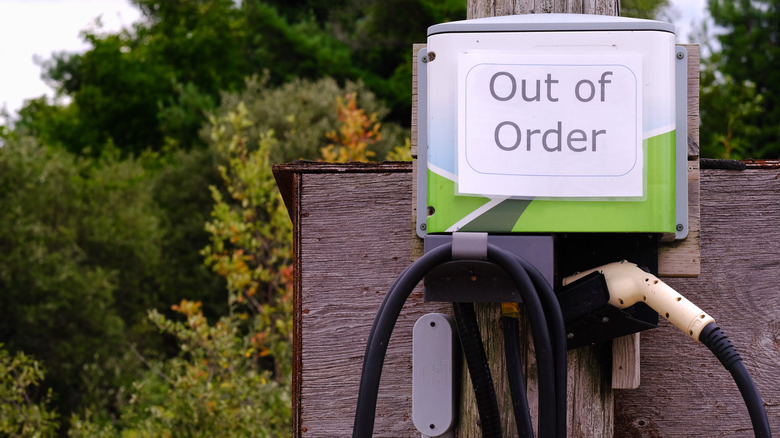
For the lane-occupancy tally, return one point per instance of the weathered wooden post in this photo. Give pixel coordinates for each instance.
(590, 394)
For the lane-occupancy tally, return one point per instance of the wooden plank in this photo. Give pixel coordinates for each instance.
(415, 49)
(682, 258)
(354, 242)
(289, 178)
(495, 8)
(694, 60)
(336, 301)
(625, 362)
(685, 391)
(293, 208)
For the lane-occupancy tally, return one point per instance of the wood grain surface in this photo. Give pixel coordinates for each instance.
(354, 234)
(494, 8)
(352, 240)
(685, 391)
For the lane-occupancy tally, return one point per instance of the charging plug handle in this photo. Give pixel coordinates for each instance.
(628, 284)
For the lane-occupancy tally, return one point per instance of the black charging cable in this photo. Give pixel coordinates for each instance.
(720, 345)
(479, 369)
(379, 337)
(557, 329)
(627, 285)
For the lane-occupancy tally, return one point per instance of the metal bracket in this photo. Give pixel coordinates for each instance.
(681, 139)
(473, 280)
(469, 246)
(422, 142)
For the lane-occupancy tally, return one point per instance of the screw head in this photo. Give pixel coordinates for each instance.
(680, 55)
(680, 227)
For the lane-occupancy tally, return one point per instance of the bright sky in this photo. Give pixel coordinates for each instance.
(31, 29)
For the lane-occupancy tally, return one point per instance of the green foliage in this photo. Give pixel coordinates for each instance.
(356, 132)
(740, 96)
(152, 85)
(301, 113)
(250, 231)
(58, 125)
(401, 153)
(381, 33)
(732, 108)
(251, 239)
(51, 290)
(642, 8)
(214, 388)
(20, 416)
(231, 378)
(79, 253)
(116, 88)
(181, 191)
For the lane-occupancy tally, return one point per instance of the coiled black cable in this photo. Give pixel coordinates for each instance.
(557, 330)
(514, 370)
(479, 369)
(545, 360)
(720, 345)
(391, 308)
(379, 337)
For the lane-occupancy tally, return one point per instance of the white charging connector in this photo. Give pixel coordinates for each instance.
(628, 284)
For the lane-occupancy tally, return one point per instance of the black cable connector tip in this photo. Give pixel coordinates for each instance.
(713, 337)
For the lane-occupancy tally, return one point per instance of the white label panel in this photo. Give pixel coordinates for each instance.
(563, 125)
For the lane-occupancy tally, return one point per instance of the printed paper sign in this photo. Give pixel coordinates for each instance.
(550, 125)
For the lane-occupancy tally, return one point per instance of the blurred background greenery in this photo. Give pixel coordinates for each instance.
(145, 262)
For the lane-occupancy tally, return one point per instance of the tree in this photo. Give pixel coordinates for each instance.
(357, 131)
(20, 415)
(151, 86)
(741, 90)
(231, 378)
(215, 387)
(642, 8)
(77, 246)
(302, 112)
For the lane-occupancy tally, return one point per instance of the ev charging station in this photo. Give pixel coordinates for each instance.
(550, 123)
(536, 131)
